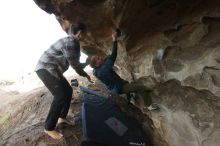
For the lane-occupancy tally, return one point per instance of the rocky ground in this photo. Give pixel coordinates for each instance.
(23, 115)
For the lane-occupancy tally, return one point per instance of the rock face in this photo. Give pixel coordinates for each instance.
(163, 38)
(189, 117)
(172, 46)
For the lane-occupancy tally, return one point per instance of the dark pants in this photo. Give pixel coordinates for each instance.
(62, 92)
(139, 89)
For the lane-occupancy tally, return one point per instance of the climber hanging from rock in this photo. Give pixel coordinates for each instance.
(50, 68)
(103, 70)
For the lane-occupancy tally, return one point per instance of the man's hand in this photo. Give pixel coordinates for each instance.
(89, 79)
(83, 65)
(114, 36)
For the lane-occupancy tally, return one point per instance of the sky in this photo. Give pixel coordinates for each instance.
(26, 32)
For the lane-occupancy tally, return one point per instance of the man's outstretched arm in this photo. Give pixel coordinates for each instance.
(114, 48)
(109, 63)
(71, 54)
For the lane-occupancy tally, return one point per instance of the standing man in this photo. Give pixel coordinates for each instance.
(103, 70)
(50, 68)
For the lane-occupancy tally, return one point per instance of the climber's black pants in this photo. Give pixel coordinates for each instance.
(62, 92)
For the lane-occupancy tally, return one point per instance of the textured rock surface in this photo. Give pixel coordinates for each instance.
(163, 38)
(189, 117)
(172, 46)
